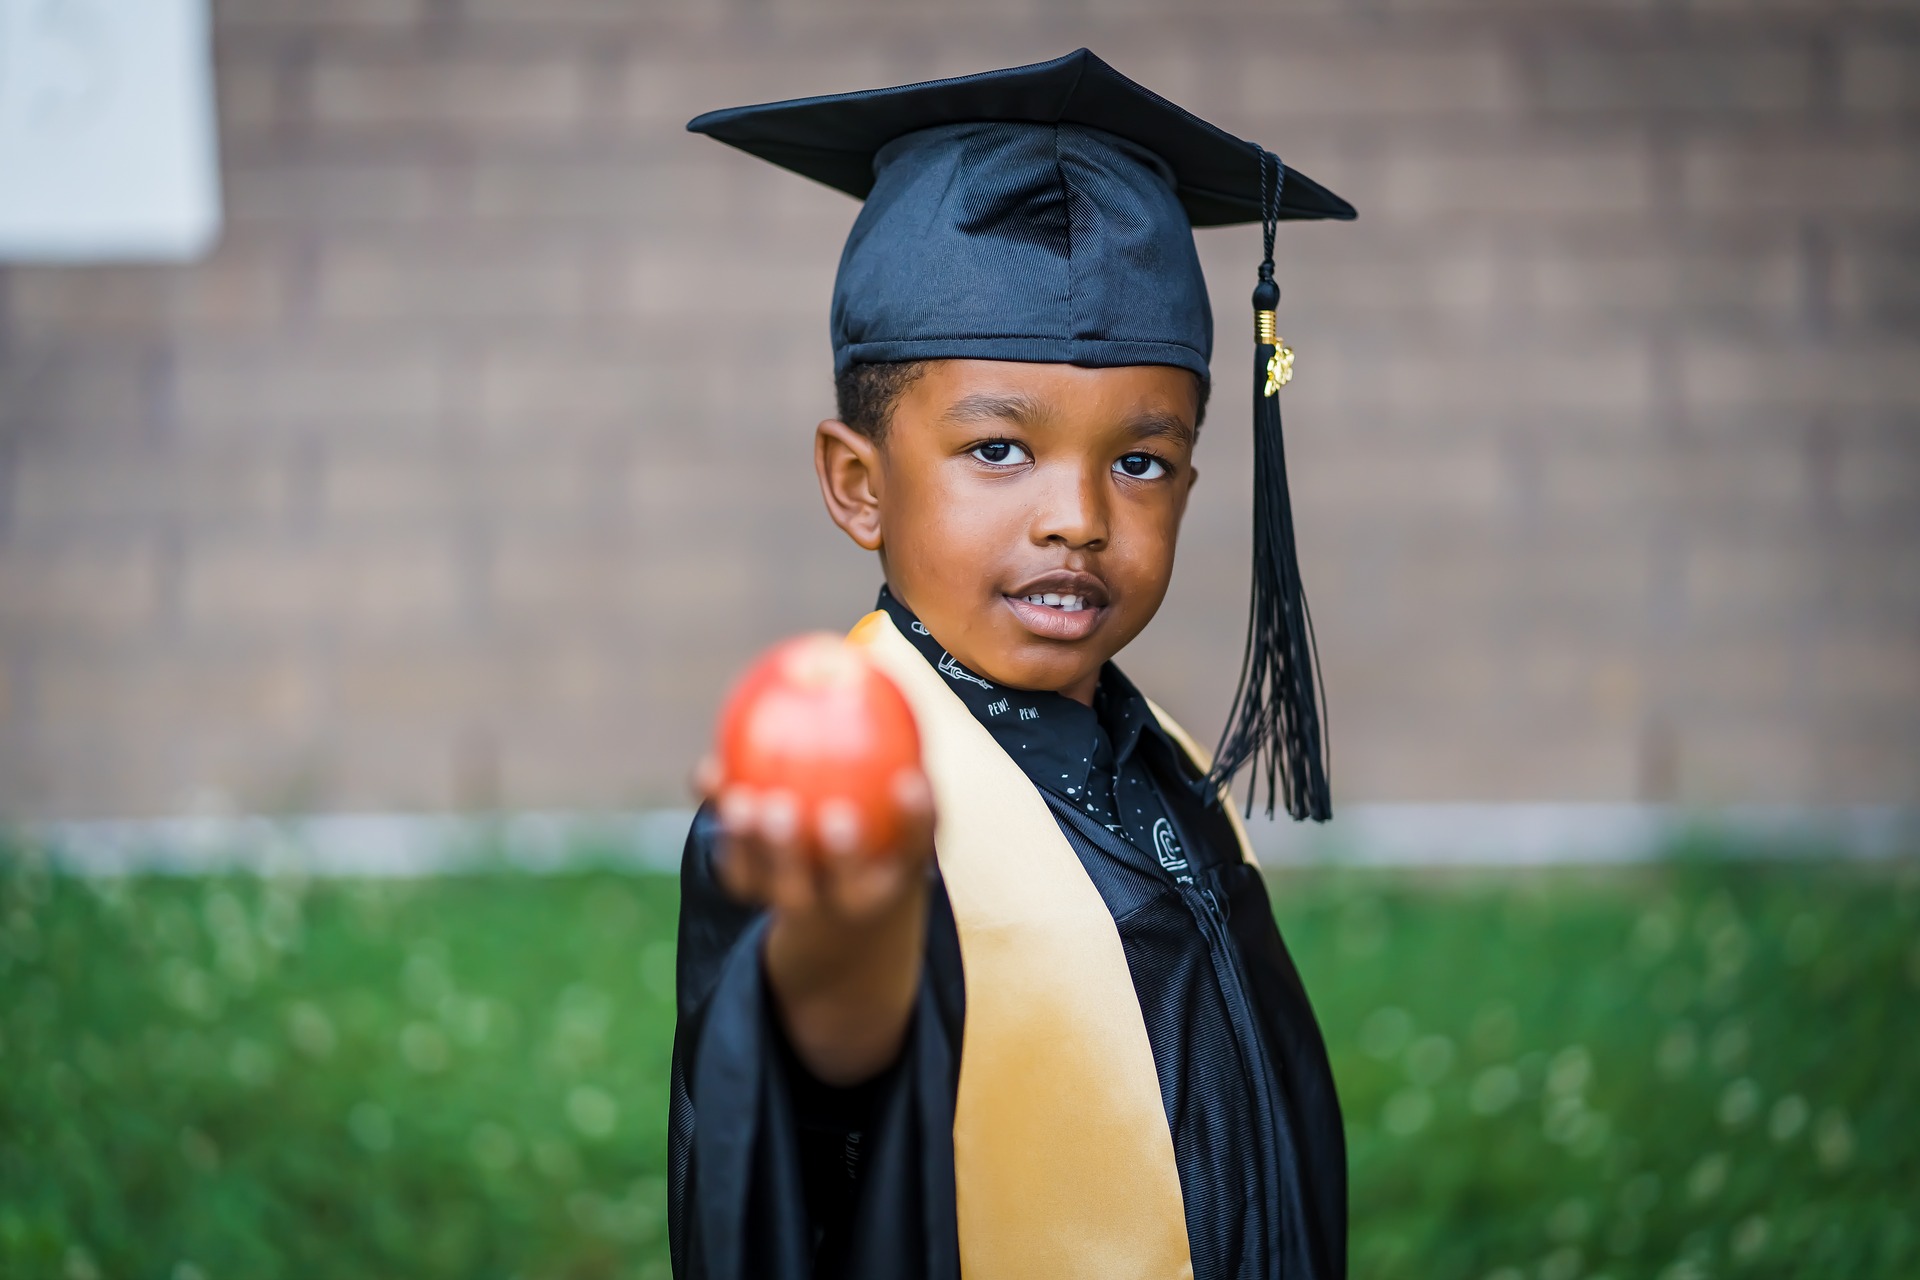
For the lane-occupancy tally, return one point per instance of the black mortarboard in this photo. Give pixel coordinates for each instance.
(1044, 213)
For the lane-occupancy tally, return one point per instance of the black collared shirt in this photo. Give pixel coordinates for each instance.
(1094, 757)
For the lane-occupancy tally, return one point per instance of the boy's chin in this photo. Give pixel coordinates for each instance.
(1035, 664)
(1049, 678)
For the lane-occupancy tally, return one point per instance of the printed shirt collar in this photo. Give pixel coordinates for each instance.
(1053, 738)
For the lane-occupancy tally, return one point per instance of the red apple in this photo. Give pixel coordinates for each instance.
(815, 725)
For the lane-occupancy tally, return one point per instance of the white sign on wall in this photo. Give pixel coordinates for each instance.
(108, 148)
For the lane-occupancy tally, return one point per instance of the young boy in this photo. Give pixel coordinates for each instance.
(1057, 1034)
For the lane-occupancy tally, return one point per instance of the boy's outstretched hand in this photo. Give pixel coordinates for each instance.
(844, 950)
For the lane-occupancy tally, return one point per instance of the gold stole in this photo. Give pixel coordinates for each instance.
(1062, 1159)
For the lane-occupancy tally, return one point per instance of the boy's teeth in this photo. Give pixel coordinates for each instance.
(1050, 598)
(1068, 603)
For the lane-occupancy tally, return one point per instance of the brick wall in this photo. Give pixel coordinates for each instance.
(475, 459)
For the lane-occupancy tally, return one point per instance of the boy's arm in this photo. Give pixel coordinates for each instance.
(848, 933)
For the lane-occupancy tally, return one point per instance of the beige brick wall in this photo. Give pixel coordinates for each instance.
(474, 461)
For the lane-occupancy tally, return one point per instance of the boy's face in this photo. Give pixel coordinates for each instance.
(1002, 486)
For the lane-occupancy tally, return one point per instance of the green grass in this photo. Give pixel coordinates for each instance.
(1691, 1070)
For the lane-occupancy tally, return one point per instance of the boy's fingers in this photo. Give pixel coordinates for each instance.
(739, 810)
(766, 858)
(726, 872)
(913, 792)
(707, 775)
(856, 882)
(915, 795)
(838, 825)
(737, 869)
(784, 881)
(779, 817)
(842, 864)
(738, 865)
(790, 881)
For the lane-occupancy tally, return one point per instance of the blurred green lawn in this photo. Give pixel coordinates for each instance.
(1692, 1069)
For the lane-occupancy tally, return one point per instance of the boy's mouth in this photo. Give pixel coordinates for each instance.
(1059, 606)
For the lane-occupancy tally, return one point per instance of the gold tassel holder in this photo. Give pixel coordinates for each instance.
(1280, 363)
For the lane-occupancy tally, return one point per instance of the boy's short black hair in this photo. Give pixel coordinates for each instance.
(867, 393)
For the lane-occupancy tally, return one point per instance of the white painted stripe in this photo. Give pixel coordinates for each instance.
(1550, 834)
(368, 844)
(387, 844)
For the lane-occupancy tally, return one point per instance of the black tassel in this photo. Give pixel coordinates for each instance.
(1275, 722)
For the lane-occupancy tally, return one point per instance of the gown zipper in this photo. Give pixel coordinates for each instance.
(1211, 917)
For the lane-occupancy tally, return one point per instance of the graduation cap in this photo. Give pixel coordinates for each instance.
(1045, 213)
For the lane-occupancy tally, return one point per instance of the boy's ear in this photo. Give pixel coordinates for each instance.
(848, 464)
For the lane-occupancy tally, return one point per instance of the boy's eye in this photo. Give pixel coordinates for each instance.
(1141, 466)
(1001, 453)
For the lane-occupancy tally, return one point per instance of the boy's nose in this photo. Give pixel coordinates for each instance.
(1073, 511)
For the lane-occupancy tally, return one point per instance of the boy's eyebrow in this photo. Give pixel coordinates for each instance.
(1155, 424)
(1026, 411)
(989, 407)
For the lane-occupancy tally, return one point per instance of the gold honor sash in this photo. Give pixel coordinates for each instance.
(1063, 1163)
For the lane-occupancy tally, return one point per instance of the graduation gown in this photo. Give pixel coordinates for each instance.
(1238, 1172)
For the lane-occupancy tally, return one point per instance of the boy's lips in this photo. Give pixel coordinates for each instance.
(1063, 605)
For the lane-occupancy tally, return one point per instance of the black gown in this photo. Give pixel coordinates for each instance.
(773, 1174)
